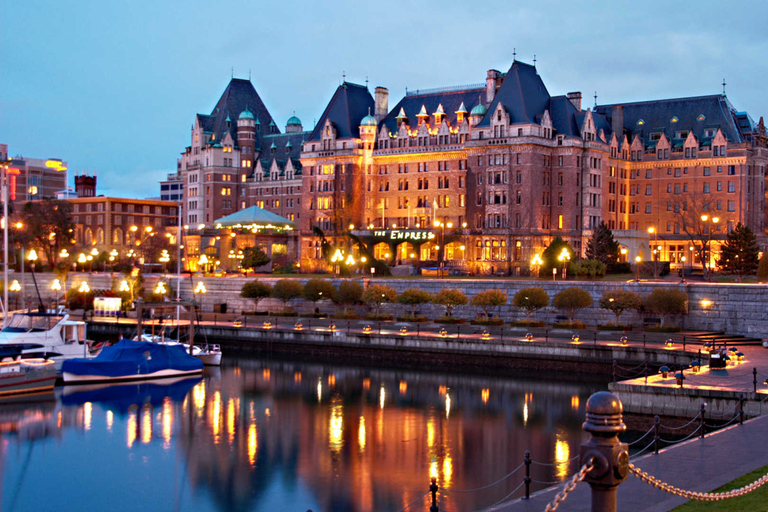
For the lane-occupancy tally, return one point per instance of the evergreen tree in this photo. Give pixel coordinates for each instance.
(602, 246)
(762, 268)
(739, 254)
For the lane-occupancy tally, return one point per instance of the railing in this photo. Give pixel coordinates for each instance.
(450, 88)
(611, 458)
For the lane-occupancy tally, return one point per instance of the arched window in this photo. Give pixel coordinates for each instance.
(88, 239)
(100, 236)
(117, 237)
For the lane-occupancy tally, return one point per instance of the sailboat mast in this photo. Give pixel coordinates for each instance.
(5, 243)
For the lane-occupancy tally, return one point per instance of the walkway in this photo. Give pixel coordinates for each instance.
(700, 465)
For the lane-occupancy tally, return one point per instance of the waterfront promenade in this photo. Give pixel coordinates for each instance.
(700, 465)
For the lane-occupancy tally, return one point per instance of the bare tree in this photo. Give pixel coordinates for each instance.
(696, 220)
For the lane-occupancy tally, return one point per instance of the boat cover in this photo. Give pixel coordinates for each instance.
(127, 357)
(122, 397)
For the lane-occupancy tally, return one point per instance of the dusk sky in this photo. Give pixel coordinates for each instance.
(113, 87)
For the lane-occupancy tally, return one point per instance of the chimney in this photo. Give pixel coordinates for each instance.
(490, 85)
(382, 103)
(575, 99)
(617, 121)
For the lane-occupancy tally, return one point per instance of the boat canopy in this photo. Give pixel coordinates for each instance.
(128, 357)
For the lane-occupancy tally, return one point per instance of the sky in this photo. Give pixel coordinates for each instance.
(113, 87)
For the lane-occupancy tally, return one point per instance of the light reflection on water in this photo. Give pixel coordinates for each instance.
(260, 436)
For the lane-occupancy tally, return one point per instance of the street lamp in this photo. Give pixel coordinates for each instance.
(564, 257)
(638, 260)
(654, 253)
(56, 286)
(203, 262)
(337, 258)
(536, 263)
(711, 224)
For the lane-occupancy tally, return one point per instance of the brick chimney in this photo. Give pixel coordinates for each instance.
(575, 99)
(381, 97)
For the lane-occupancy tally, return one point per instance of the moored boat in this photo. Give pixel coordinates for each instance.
(132, 360)
(47, 335)
(18, 376)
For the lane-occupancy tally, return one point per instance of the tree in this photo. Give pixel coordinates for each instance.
(414, 297)
(254, 257)
(255, 290)
(450, 298)
(318, 289)
(667, 302)
(489, 299)
(762, 268)
(697, 224)
(740, 252)
(531, 299)
(49, 227)
(377, 294)
(551, 254)
(571, 300)
(286, 290)
(602, 246)
(349, 292)
(619, 301)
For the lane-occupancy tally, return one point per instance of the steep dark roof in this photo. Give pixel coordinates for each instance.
(349, 104)
(522, 93)
(282, 152)
(563, 115)
(237, 97)
(451, 101)
(657, 116)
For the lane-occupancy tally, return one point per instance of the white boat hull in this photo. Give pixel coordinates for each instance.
(212, 359)
(70, 378)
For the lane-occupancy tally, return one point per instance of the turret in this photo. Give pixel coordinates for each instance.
(246, 134)
(293, 125)
(85, 186)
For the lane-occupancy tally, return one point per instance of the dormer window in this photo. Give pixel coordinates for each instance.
(640, 122)
(655, 136)
(674, 119)
(701, 117)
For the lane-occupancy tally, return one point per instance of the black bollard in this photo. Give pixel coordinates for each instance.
(245, 320)
(656, 434)
(594, 339)
(418, 328)
(607, 455)
(754, 380)
(502, 333)
(646, 369)
(546, 334)
(683, 342)
(643, 340)
(379, 328)
(458, 331)
(613, 367)
(348, 324)
(527, 480)
(701, 419)
(741, 408)
(433, 490)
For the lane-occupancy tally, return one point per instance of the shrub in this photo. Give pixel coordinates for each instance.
(487, 321)
(489, 299)
(622, 267)
(414, 297)
(450, 298)
(377, 294)
(614, 327)
(286, 290)
(531, 299)
(255, 290)
(569, 325)
(666, 302)
(589, 268)
(571, 300)
(527, 323)
(412, 318)
(619, 301)
(318, 289)
(449, 320)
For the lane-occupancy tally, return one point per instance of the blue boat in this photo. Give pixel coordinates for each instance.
(132, 360)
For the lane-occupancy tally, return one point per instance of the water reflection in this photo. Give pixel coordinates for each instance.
(264, 436)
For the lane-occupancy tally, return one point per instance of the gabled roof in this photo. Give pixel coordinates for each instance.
(287, 146)
(451, 101)
(239, 96)
(253, 217)
(657, 117)
(348, 106)
(522, 93)
(563, 115)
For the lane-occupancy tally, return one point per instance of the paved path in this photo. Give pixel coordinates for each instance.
(697, 465)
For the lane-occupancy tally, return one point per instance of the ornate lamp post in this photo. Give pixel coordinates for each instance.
(536, 263)
(711, 224)
(56, 287)
(638, 260)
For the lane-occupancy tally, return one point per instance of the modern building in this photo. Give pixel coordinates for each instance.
(31, 179)
(482, 177)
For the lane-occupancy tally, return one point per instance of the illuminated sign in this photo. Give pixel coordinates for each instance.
(409, 235)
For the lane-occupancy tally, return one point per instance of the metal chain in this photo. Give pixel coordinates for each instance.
(702, 496)
(578, 477)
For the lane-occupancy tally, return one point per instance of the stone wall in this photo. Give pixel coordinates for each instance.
(732, 308)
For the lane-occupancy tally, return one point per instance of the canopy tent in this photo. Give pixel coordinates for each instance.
(254, 218)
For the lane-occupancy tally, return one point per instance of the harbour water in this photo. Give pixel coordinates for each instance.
(259, 435)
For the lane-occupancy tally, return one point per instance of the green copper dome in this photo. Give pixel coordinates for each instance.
(368, 120)
(293, 121)
(246, 114)
(479, 110)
